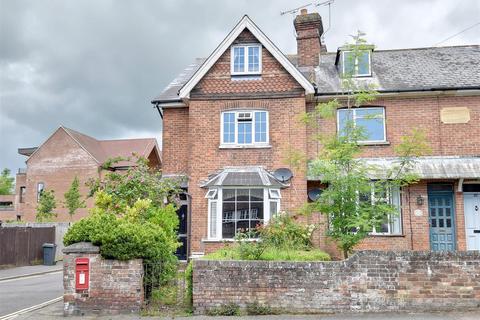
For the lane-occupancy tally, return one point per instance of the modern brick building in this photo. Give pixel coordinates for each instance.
(230, 120)
(67, 154)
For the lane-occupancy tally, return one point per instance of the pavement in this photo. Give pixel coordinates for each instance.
(55, 311)
(24, 287)
(18, 272)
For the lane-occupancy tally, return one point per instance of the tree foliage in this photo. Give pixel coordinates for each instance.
(134, 216)
(46, 206)
(354, 203)
(73, 198)
(7, 182)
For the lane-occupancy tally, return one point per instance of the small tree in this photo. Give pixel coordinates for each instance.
(46, 206)
(73, 198)
(353, 202)
(6, 182)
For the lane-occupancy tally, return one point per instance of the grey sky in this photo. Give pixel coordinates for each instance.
(95, 65)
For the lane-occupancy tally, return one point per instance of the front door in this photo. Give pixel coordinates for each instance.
(442, 219)
(472, 220)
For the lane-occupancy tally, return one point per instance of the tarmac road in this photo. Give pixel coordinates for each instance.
(21, 293)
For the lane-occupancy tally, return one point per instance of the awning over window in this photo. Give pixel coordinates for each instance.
(450, 167)
(243, 176)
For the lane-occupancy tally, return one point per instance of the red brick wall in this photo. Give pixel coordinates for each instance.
(405, 114)
(286, 132)
(175, 148)
(218, 81)
(56, 164)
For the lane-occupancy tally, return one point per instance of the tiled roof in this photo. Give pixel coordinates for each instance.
(102, 150)
(419, 69)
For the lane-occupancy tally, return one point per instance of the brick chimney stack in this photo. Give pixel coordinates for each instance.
(309, 28)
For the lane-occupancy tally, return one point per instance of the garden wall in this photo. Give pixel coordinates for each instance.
(367, 281)
(113, 286)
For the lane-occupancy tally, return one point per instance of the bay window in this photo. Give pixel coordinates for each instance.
(243, 128)
(234, 210)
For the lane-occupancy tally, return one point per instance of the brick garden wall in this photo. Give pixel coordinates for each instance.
(367, 281)
(114, 287)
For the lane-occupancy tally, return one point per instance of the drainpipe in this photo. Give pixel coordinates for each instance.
(460, 185)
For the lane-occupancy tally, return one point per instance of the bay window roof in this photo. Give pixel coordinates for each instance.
(254, 176)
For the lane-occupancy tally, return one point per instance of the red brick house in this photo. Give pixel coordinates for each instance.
(230, 119)
(66, 154)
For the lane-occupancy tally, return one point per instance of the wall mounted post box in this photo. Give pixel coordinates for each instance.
(82, 273)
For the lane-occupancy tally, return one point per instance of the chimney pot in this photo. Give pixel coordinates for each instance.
(303, 12)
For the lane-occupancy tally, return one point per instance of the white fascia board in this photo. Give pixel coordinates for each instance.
(245, 23)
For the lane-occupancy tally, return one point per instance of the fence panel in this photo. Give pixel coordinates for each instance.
(23, 245)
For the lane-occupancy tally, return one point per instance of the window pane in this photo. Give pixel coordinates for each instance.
(256, 195)
(256, 210)
(242, 194)
(260, 126)
(345, 117)
(348, 63)
(229, 127)
(238, 59)
(273, 208)
(373, 128)
(213, 219)
(363, 63)
(253, 59)
(244, 132)
(228, 229)
(229, 195)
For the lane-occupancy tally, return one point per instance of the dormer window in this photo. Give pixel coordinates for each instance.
(356, 64)
(246, 59)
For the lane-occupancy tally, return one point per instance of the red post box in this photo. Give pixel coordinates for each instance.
(82, 273)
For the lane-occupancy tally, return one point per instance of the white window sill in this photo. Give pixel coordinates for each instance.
(226, 240)
(387, 235)
(374, 143)
(244, 146)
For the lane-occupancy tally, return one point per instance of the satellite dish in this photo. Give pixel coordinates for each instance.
(283, 174)
(314, 194)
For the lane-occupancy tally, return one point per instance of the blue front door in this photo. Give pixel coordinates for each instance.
(442, 220)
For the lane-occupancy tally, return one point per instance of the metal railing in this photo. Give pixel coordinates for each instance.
(22, 170)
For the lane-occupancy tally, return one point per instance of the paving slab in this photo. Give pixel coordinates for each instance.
(55, 311)
(28, 270)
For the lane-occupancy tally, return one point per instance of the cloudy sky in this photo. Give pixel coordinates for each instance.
(95, 65)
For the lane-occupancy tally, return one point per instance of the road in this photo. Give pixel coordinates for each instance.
(21, 293)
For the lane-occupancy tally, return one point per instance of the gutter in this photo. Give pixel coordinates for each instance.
(413, 91)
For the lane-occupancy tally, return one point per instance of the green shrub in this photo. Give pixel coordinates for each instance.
(230, 309)
(283, 231)
(271, 254)
(257, 309)
(189, 284)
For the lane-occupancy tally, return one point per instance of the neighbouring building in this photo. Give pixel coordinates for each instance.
(67, 154)
(229, 121)
(7, 208)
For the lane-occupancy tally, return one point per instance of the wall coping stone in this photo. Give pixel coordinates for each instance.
(81, 247)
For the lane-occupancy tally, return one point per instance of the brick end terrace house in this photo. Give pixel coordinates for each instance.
(230, 119)
(66, 154)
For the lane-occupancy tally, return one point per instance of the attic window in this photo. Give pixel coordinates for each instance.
(246, 60)
(356, 64)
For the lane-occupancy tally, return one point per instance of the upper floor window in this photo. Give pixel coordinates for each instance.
(246, 59)
(372, 121)
(244, 127)
(22, 194)
(356, 64)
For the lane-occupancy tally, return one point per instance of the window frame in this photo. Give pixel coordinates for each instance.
(22, 192)
(245, 59)
(39, 192)
(389, 224)
(235, 143)
(218, 203)
(356, 74)
(384, 117)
